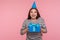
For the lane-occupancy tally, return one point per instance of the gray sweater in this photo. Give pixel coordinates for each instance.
(33, 36)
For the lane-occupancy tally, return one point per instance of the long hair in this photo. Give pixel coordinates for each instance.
(38, 15)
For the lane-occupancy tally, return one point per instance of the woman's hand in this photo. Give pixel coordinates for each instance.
(25, 30)
(43, 30)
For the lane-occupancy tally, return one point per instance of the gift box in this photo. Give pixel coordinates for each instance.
(32, 27)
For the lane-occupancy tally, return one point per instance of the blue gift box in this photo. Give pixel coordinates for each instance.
(32, 27)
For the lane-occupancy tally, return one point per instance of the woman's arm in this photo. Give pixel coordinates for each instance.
(43, 28)
(24, 29)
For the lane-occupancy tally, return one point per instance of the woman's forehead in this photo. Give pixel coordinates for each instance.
(33, 10)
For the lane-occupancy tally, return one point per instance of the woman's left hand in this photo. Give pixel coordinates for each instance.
(43, 30)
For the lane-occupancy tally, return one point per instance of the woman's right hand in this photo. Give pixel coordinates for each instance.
(25, 30)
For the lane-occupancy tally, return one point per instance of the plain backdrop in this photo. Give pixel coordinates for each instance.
(14, 12)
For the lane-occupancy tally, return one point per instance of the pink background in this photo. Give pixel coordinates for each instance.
(14, 12)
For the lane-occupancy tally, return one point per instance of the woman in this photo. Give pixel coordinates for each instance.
(33, 17)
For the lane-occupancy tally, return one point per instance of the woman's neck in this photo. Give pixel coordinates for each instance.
(33, 18)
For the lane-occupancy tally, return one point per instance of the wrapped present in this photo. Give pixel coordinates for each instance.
(32, 27)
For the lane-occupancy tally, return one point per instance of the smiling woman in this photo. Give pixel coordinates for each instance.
(33, 12)
(35, 18)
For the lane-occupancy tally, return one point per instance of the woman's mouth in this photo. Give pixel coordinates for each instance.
(33, 15)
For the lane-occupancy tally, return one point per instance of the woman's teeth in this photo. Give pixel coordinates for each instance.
(33, 15)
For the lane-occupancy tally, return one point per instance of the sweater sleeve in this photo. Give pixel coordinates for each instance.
(23, 27)
(43, 25)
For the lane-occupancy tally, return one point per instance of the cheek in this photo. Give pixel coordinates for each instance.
(30, 14)
(36, 14)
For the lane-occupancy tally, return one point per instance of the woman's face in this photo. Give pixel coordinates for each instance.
(33, 13)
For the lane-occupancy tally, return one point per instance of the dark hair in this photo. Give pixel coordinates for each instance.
(38, 15)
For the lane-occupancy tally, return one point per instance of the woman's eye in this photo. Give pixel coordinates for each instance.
(35, 12)
(31, 12)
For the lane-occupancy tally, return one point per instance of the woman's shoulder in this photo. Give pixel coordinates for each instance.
(40, 18)
(26, 20)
